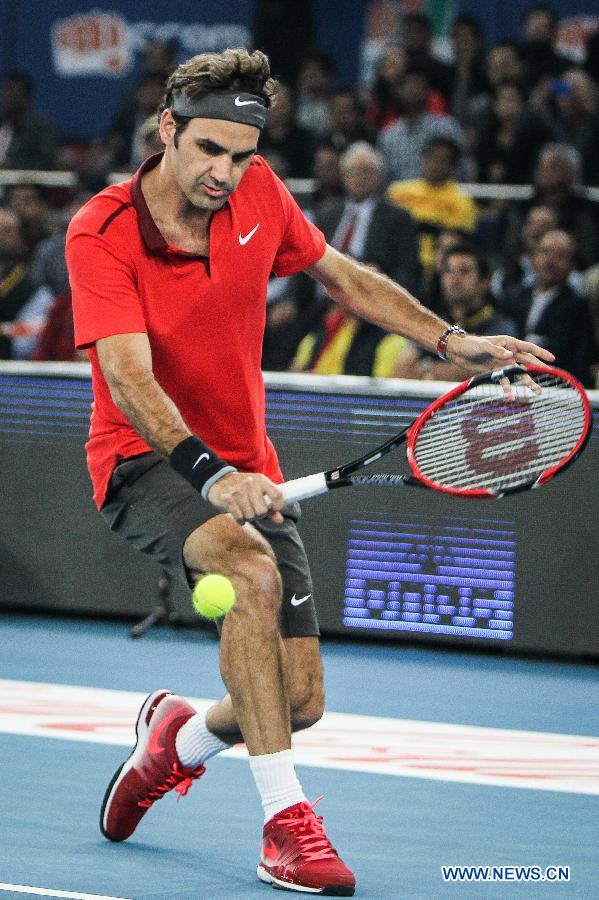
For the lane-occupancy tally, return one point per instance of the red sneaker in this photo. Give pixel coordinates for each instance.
(298, 856)
(153, 768)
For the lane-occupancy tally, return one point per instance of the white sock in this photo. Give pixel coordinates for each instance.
(195, 743)
(276, 781)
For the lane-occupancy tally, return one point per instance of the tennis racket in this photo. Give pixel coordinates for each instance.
(476, 442)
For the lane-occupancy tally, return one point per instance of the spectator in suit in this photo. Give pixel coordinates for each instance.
(27, 139)
(435, 200)
(465, 298)
(552, 312)
(403, 142)
(364, 225)
(518, 271)
(556, 180)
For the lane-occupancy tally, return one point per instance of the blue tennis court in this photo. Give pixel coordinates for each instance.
(396, 832)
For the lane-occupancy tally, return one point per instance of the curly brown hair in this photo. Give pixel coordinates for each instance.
(234, 70)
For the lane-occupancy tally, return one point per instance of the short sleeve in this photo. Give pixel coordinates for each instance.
(302, 243)
(103, 287)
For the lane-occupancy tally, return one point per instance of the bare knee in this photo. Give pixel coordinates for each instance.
(240, 553)
(307, 704)
(257, 582)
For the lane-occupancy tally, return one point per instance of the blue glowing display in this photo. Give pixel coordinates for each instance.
(442, 575)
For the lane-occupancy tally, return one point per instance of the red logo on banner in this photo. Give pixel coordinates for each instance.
(91, 44)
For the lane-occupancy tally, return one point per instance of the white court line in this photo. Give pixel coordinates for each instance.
(47, 892)
(441, 751)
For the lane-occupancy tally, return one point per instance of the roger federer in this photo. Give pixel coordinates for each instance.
(169, 274)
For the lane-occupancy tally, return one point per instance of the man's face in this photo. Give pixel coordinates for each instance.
(552, 174)
(462, 287)
(361, 177)
(414, 91)
(553, 259)
(438, 164)
(12, 245)
(416, 38)
(539, 27)
(325, 167)
(344, 113)
(211, 158)
(25, 200)
(538, 222)
(503, 64)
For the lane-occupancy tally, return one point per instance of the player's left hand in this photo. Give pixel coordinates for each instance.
(485, 354)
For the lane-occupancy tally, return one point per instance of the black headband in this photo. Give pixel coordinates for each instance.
(248, 109)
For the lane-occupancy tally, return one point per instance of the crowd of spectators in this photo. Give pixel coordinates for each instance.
(384, 170)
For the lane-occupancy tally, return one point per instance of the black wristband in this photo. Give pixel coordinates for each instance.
(198, 464)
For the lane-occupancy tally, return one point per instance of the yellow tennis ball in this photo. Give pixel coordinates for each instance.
(213, 596)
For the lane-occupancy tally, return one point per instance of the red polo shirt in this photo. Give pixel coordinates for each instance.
(205, 323)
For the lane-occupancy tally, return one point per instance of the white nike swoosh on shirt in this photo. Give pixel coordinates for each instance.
(239, 102)
(243, 239)
(296, 602)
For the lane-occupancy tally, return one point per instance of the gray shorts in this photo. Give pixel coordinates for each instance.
(155, 510)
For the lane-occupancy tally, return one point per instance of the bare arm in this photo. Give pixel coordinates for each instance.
(378, 299)
(375, 297)
(126, 362)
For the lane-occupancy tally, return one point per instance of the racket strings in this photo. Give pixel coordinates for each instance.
(481, 440)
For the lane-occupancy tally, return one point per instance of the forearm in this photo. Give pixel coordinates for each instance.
(372, 296)
(149, 409)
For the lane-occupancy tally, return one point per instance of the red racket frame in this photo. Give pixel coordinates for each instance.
(483, 492)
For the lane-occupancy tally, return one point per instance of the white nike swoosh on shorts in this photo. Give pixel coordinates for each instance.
(296, 602)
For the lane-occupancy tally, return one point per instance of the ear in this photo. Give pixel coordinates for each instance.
(167, 127)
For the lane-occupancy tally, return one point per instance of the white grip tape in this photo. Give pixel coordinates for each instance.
(302, 488)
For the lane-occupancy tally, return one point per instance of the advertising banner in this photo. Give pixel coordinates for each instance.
(85, 56)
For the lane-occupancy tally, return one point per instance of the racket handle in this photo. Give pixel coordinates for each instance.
(302, 488)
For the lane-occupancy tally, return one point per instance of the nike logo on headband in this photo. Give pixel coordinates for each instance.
(239, 102)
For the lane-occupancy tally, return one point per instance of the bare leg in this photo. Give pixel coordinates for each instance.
(304, 668)
(253, 658)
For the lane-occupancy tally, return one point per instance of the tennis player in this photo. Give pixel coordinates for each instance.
(169, 273)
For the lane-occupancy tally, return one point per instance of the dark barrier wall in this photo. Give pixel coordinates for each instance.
(516, 574)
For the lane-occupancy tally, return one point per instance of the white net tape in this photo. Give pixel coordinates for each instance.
(481, 440)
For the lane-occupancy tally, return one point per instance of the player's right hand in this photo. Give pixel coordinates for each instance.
(247, 496)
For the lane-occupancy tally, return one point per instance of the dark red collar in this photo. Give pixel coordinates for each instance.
(152, 237)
